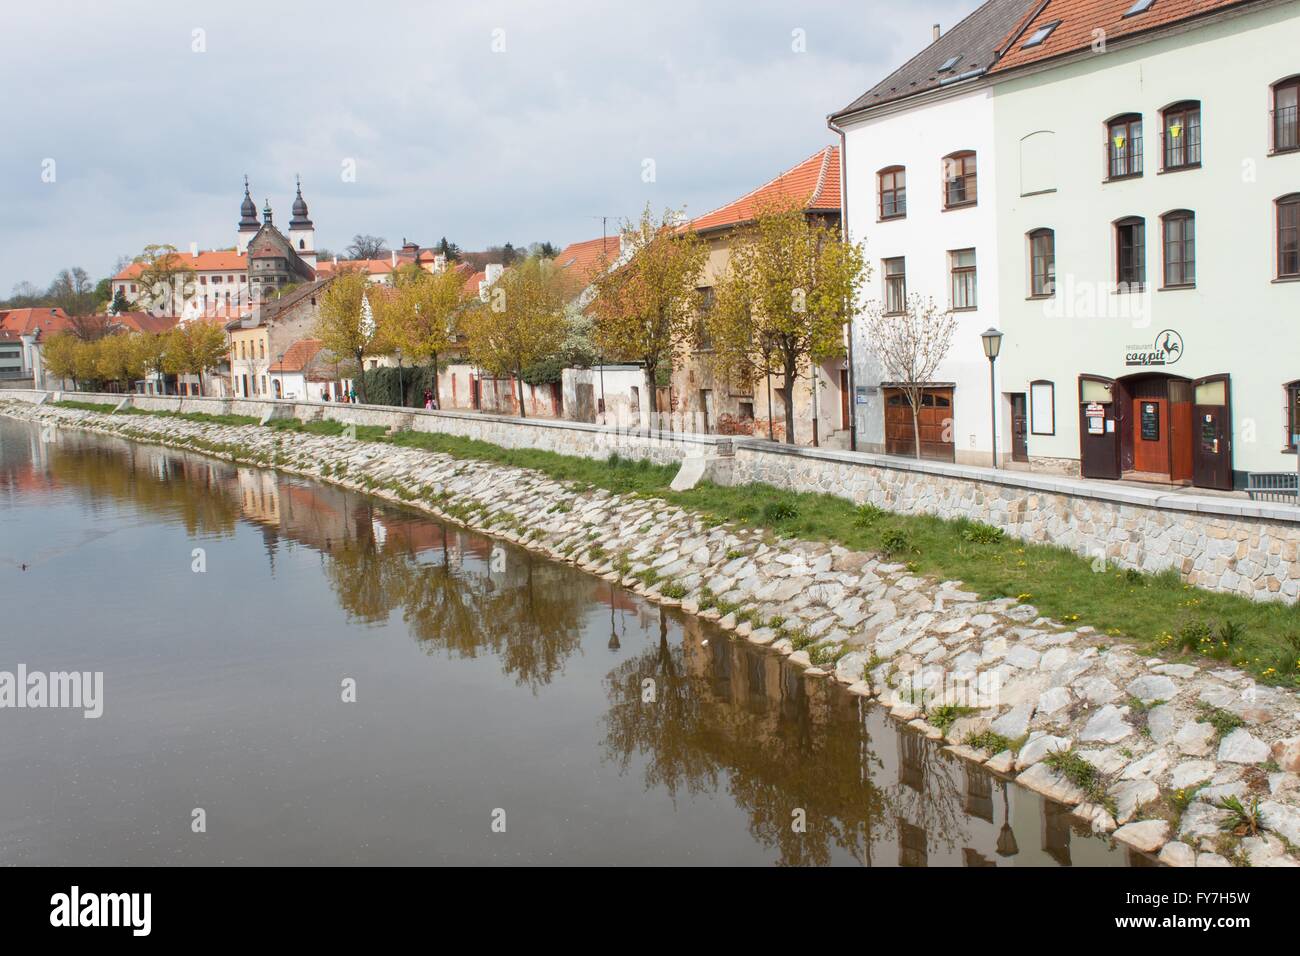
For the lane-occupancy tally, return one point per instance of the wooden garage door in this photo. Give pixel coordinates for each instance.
(935, 423)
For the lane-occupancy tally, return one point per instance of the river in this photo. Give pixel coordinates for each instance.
(296, 674)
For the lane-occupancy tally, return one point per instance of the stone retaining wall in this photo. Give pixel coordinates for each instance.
(1221, 543)
(1025, 696)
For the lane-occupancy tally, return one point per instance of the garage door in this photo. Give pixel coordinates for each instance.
(935, 421)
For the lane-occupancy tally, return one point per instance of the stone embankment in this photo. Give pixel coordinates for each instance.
(1192, 763)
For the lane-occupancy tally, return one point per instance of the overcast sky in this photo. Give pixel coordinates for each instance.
(449, 134)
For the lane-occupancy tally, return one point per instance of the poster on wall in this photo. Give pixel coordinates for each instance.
(1095, 413)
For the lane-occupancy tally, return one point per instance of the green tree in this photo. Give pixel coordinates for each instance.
(785, 299)
(521, 323)
(347, 325)
(645, 310)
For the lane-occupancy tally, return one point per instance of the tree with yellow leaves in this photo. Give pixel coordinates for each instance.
(118, 359)
(347, 324)
(645, 309)
(522, 322)
(788, 293)
(419, 314)
(196, 347)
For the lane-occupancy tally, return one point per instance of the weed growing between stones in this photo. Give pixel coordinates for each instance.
(945, 715)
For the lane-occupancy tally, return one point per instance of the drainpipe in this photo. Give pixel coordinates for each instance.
(844, 234)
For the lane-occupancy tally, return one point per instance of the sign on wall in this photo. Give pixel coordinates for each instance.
(1167, 349)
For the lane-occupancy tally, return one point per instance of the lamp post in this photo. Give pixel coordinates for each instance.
(992, 346)
(280, 382)
(401, 392)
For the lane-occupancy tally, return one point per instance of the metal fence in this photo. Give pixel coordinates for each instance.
(1281, 486)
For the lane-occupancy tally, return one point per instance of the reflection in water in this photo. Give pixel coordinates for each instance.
(685, 714)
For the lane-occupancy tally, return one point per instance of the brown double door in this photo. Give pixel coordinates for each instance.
(934, 421)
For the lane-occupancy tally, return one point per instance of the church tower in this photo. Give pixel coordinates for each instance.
(302, 234)
(247, 221)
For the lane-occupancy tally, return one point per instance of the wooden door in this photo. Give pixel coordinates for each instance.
(1212, 439)
(844, 399)
(1151, 436)
(1019, 427)
(1100, 409)
(934, 421)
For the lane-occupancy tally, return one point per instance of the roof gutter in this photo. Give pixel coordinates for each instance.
(844, 235)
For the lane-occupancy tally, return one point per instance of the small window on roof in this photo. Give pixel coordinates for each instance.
(1041, 34)
(1142, 6)
(949, 63)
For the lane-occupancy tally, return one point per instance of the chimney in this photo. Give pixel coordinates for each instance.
(194, 250)
(393, 256)
(936, 33)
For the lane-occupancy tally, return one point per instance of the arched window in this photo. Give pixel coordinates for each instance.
(1124, 146)
(959, 179)
(891, 184)
(1178, 229)
(1130, 254)
(1286, 105)
(1181, 136)
(1288, 236)
(1042, 263)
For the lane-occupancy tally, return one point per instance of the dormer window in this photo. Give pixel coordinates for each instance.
(1142, 6)
(1040, 35)
(949, 63)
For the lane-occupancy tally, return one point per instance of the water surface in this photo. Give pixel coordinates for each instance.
(490, 686)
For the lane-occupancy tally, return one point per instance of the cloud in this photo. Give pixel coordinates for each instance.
(485, 122)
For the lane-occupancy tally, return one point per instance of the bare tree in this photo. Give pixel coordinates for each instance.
(367, 247)
(910, 346)
(73, 292)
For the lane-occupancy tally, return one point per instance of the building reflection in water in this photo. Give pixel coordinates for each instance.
(722, 716)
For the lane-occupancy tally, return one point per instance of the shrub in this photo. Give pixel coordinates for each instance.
(778, 511)
(895, 541)
(979, 533)
(866, 515)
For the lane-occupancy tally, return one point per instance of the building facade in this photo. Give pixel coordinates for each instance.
(1149, 222)
(921, 194)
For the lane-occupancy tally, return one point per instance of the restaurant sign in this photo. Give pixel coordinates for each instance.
(1165, 350)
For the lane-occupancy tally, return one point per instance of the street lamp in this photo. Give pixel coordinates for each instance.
(401, 393)
(992, 346)
(280, 383)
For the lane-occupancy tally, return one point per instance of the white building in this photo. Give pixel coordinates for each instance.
(1149, 227)
(922, 192)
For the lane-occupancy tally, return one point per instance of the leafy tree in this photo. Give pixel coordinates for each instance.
(346, 325)
(645, 309)
(58, 353)
(367, 247)
(448, 249)
(785, 299)
(155, 349)
(118, 359)
(521, 323)
(418, 315)
(196, 347)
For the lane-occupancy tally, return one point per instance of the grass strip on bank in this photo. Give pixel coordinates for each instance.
(1159, 612)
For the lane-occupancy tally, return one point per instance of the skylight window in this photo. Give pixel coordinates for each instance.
(1040, 35)
(1142, 6)
(949, 63)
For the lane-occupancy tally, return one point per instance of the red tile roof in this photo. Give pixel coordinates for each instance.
(143, 321)
(585, 259)
(298, 356)
(374, 267)
(1079, 18)
(211, 260)
(815, 182)
(23, 321)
